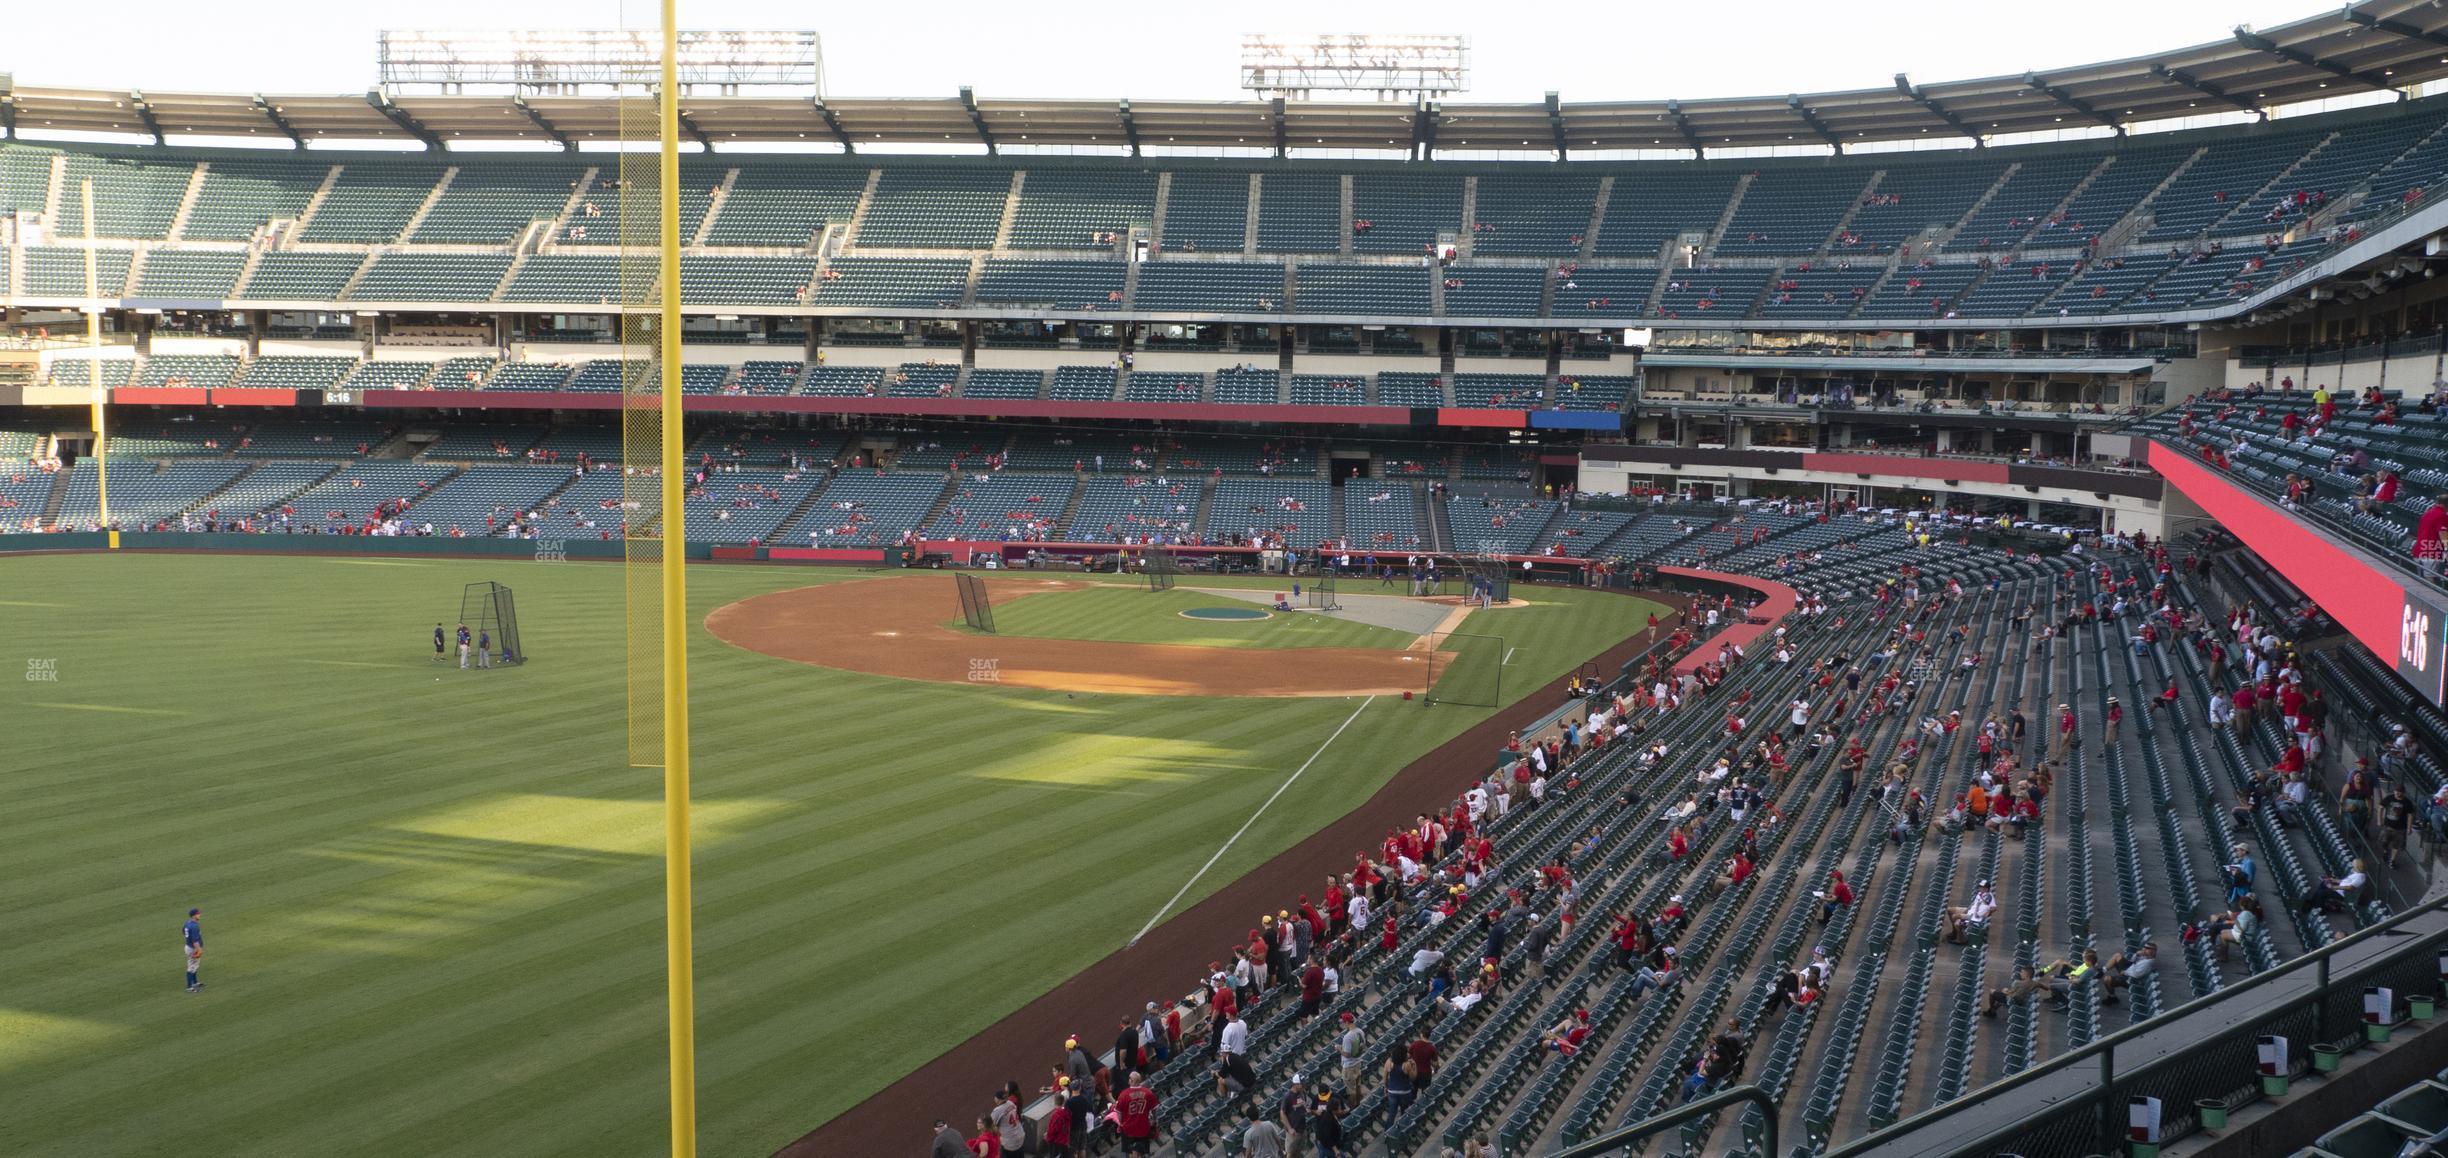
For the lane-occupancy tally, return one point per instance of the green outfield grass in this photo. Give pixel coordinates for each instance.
(434, 900)
(1119, 614)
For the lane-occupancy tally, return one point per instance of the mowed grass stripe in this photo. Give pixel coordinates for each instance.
(419, 948)
(1117, 614)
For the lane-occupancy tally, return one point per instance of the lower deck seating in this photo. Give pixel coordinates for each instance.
(865, 508)
(1299, 512)
(1003, 507)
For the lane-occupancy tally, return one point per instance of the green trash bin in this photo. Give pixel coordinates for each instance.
(2212, 1112)
(2325, 1058)
(2420, 1006)
(2376, 1032)
(2273, 1085)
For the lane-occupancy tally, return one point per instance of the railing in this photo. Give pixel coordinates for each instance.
(2221, 1066)
(1615, 1140)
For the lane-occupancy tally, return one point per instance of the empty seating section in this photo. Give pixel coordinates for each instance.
(491, 203)
(2011, 289)
(2224, 178)
(371, 202)
(1496, 463)
(865, 508)
(1298, 511)
(483, 499)
(1791, 209)
(589, 509)
(2323, 177)
(489, 442)
(206, 370)
(596, 218)
(2130, 176)
(2415, 175)
(301, 277)
(1061, 285)
(1406, 388)
(1597, 292)
(1407, 460)
(392, 375)
(188, 274)
(842, 381)
(2229, 274)
(1402, 213)
(351, 495)
(55, 272)
(1300, 213)
(1206, 212)
(786, 205)
(1067, 209)
(1691, 293)
(750, 281)
(1207, 287)
(1531, 216)
(241, 195)
(1003, 506)
(1329, 390)
(576, 278)
(25, 178)
(922, 380)
(1117, 507)
(1493, 291)
(265, 487)
(2037, 187)
(2103, 285)
(463, 373)
(1919, 291)
(1592, 391)
(739, 506)
(886, 282)
(765, 378)
(290, 372)
(1500, 391)
(1380, 515)
(133, 197)
(968, 450)
(1823, 291)
(606, 375)
(1012, 384)
(1240, 456)
(143, 494)
(935, 208)
(431, 277)
(335, 439)
(1362, 289)
(564, 444)
(83, 371)
(152, 438)
(1079, 453)
(1164, 386)
(1913, 199)
(1242, 387)
(1495, 525)
(521, 376)
(1648, 208)
(1083, 384)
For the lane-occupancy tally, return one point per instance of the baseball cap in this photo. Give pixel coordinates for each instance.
(1070, 1043)
(1347, 1015)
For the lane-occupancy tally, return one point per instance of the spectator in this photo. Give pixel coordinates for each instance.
(948, 1142)
(2396, 815)
(2122, 972)
(1135, 1116)
(2342, 892)
(1263, 1138)
(1836, 896)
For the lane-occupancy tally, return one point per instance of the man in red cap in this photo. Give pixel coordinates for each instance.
(1349, 1057)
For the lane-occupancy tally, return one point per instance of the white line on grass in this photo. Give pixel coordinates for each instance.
(1508, 659)
(1245, 825)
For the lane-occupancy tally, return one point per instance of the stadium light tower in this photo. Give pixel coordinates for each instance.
(573, 62)
(1393, 66)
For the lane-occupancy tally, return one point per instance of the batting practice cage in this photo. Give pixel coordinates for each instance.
(977, 610)
(1465, 669)
(1322, 593)
(486, 608)
(1161, 568)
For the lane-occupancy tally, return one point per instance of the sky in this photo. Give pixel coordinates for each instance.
(1104, 50)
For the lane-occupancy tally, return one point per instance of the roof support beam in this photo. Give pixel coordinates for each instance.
(690, 127)
(1130, 128)
(519, 102)
(1682, 124)
(1555, 124)
(8, 117)
(1283, 131)
(977, 120)
(1794, 102)
(832, 121)
(2032, 81)
(1424, 117)
(1929, 104)
(2397, 28)
(144, 112)
(278, 121)
(2260, 43)
(399, 116)
(2183, 79)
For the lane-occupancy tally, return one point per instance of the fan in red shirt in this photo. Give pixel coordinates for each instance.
(1135, 1113)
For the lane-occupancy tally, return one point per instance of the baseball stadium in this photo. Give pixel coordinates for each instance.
(620, 602)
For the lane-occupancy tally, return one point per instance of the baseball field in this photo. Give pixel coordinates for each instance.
(433, 898)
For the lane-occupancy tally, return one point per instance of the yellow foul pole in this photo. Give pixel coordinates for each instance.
(678, 937)
(93, 360)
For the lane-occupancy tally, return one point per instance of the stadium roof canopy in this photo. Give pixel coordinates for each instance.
(2377, 46)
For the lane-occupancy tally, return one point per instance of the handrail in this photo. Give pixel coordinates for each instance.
(1623, 1136)
(2316, 959)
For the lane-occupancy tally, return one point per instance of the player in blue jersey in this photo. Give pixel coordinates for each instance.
(192, 948)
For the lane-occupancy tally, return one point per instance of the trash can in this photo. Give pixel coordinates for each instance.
(2325, 1058)
(2213, 1113)
(2420, 1006)
(2273, 1085)
(2376, 1032)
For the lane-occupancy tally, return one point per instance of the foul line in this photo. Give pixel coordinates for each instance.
(1245, 825)
(1508, 659)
